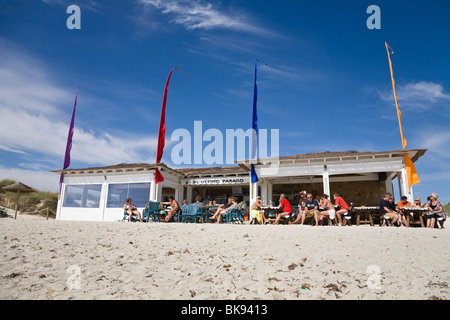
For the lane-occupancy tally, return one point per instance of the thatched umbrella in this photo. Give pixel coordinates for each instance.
(18, 187)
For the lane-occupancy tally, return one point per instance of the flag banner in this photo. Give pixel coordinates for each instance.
(69, 142)
(162, 129)
(399, 114)
(158, 176)
(255, 178)
(411, 173)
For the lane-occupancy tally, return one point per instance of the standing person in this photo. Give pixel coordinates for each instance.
(388, 208)
(311, 209)
(257, 212)
(131, 210)
(342, 207)
(285, 207)
(436, 211)
(175, 208)
(329, 211)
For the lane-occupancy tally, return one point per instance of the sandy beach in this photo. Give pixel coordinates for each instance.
(43, 259)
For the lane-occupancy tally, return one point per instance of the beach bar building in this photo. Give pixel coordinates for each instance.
(362, 178)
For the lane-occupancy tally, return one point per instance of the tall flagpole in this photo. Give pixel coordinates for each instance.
(254, 176)
(411, 173)
(399, 114)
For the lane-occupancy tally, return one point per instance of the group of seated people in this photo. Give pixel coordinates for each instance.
(308, 207)
(217, 213)
(395, 213)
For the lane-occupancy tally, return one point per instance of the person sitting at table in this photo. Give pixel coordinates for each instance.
(257, 212)
(328, 209)
(436, 211)
(198, 201)
(342, 207)
(418, 203)
(175, 208)
(221, 211)
(401, 204)
(131, 210)
(285, 207)
(311, 209)
(185, 202)
(301, 207)
(387, 208)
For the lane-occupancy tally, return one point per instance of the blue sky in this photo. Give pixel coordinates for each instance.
(326, 85)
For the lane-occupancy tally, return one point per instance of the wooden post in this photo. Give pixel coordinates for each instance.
(17, 204)
(48, 212)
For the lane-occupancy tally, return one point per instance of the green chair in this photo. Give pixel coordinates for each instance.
(191, 214)
(151, 211)
(234, 216)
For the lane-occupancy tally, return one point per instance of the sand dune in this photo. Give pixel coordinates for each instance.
(43, 259)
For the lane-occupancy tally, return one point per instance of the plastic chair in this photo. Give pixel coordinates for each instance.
(234, 216)
(348, 217)
(191, 214)
(151, 211)
(125, 217)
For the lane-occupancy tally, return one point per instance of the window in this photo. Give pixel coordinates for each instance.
(82, 196)
(118, 194)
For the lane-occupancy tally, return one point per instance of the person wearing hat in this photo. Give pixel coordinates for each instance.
(436, 211)
(256, 211)
(418, 203)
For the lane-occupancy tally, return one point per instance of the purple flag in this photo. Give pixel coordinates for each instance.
(69, 142)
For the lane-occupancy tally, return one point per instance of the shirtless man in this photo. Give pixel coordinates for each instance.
(175, 208)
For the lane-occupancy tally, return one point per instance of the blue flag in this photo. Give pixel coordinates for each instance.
(255, 126)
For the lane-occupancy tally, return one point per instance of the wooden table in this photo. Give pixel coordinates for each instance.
(206, 212)
(368, 213)
(275, 210)
(416, 214)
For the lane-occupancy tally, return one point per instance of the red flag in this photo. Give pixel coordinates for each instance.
(162, 130)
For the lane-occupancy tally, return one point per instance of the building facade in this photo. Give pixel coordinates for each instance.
(362, 178)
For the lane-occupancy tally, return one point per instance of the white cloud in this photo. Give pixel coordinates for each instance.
(33, 120)
(196, 14)
(419, 95)
(90, 5)
(39, 180)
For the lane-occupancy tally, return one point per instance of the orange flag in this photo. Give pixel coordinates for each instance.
(411, 172)
(404, 143)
